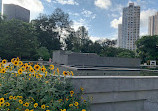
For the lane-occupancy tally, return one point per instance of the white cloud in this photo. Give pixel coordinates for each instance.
(35, 6)
(104, 4)
(68, 2)
(95, 38)
(48, 0)
(88, 14)
(115, 22)
(80, 22)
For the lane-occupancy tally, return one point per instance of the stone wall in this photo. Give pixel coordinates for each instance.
(90, 59)
(116, 93)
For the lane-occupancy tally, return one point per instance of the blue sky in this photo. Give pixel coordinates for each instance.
(100, 17)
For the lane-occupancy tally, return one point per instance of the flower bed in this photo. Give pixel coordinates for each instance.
(28, 87)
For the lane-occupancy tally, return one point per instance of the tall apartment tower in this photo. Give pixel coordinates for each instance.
(153, 25)
(1, 6)
(130, 26)
(119, 41)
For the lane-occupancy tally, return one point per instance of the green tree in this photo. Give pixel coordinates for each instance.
(17, 39)
(44, 53)
(147, 48)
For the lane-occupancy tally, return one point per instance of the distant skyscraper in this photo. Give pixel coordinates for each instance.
(12, 11)
(1, 6)
(119, 41)
(153, 25)
(130, 26)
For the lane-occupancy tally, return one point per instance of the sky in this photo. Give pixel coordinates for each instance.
(100, 17)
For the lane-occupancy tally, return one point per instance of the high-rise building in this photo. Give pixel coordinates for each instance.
(1, 6)
(119, 41)
(130, 26)
(153, 25)
(12, 11)
(82, 34)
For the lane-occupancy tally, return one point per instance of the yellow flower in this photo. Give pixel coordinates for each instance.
(36, 67)
(20, 71)
(4, 61)
(51, 67)
(47, 110)
(76, 103)
(65, 73)
(7, 104)
(14, 97)
(7, 67)
(47, 82)
(32, 110)
(82, 89)
(17, 59)
(43, 69)
(35, 105)
(27, 110)
(12, 61)
(83, 110)
(71, 92)
(1, 100)
(26, 104)
(43, 106)
(72, 73)
(16, 63)
(63, 110)
(31, 70)
(10, 97)
(70, 105)
(58, 70)
(20, 101)
(20, 63)
(3, 71)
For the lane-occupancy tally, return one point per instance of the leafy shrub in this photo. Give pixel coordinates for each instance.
(24, 87)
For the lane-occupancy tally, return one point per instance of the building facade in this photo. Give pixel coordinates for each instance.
(130, 26)
(153, 25)
(1, 6)
(119, 41)
(12, 11)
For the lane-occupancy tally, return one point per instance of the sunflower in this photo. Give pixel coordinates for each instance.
(36, 67)
(70, 105)
(26, 104)
(20, 71)
(20, 63)
(43, 106)
(71, 92)
(12, 61)
(43, 69)
(58, 70)
(76, 103)
(0, 65)
(7, 67)
(51, 67)
(3, 71)
(65, 73)
(26, 109)
(16, 63)
(4, 61)
(35, 105)
(17, 59)
(20, 101)
(10, 97)
(83, 110)
(1, 100)
(14, 97)
(7, 104)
